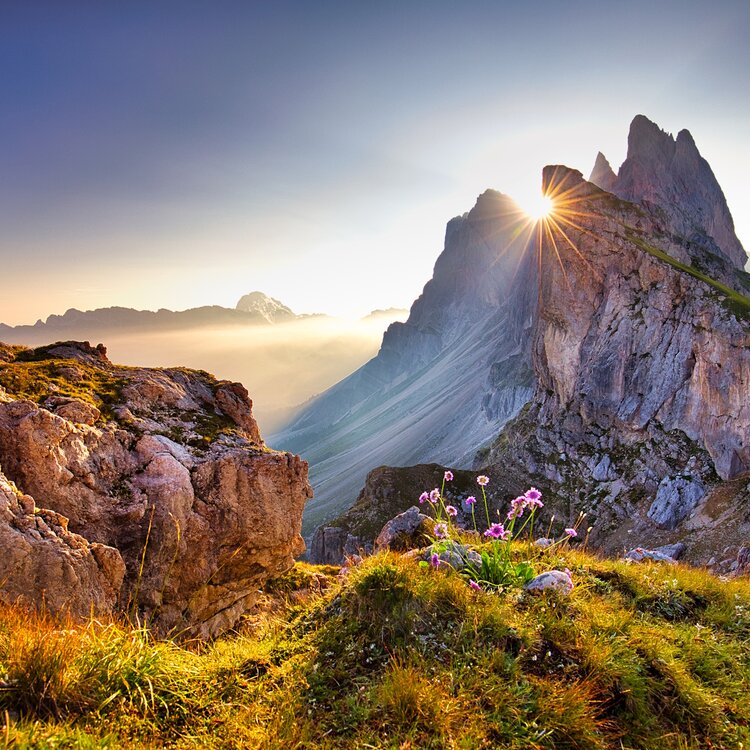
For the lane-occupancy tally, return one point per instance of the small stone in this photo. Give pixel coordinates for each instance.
(555, 580)
(639, 554)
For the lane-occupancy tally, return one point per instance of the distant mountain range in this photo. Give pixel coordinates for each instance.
(255, 308)
(282, 358)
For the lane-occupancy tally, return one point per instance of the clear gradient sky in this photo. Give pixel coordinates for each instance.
(175, 154)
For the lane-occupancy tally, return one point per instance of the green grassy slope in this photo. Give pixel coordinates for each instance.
(401, 656)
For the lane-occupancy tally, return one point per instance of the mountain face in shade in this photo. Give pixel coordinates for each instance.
(602, 174)
(445, 381)
(670, 176)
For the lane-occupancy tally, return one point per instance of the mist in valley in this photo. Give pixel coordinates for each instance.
(282, 365)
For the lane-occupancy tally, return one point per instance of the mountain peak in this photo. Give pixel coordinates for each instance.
(671, 175)
(602, 175)
(269, 308)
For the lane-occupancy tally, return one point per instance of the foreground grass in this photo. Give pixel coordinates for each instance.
(400, 656)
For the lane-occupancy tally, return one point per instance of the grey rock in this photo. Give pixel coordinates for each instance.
(458, 556)
(676, 497)
(639, 554)
(603, 471)
(675, 551)
(327, 545)
(552, 580)
(543, 542)
(406, 531)
(743, 560)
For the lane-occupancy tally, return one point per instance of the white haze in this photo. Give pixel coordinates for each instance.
(281, 365)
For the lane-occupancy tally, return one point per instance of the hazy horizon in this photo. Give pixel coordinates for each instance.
(175, 155)
(282, 365)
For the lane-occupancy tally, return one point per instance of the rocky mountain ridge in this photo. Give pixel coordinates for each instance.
(149, 491)
(639, 349)
(642, 362)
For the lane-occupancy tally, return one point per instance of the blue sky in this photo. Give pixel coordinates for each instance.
(173, 154)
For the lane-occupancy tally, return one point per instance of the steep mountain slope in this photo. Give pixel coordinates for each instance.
(640, 357)
(457, 370)
(446, 380)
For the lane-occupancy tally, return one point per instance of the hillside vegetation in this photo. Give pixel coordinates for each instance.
(398, 655)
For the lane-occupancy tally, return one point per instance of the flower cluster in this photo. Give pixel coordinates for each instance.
(531, 499)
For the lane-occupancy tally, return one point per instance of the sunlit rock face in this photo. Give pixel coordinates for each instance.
(446, 380)
(160, 497)
(641, 411)
(670, 176)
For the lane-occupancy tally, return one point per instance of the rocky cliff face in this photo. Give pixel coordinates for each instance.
(446, 380)
(642, 362)
(161, 474)
(668, 175)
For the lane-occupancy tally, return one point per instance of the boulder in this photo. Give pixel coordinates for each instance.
(552, 580)
(454, 555)
(46, 566)
(639, 554)
(676, 497)
(406, 531)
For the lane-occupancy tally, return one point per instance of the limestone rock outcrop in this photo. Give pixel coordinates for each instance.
(165, 466)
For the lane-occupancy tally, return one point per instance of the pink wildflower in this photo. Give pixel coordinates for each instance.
(533, 498)
(474, 585)
(451, 511)
(434, 495)
(424, 497)
(470, 500)
(435, 560)
(483, 480)
(571, 532)
(497, 531)
(448, 476)
(440, 531)
(516, 507)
